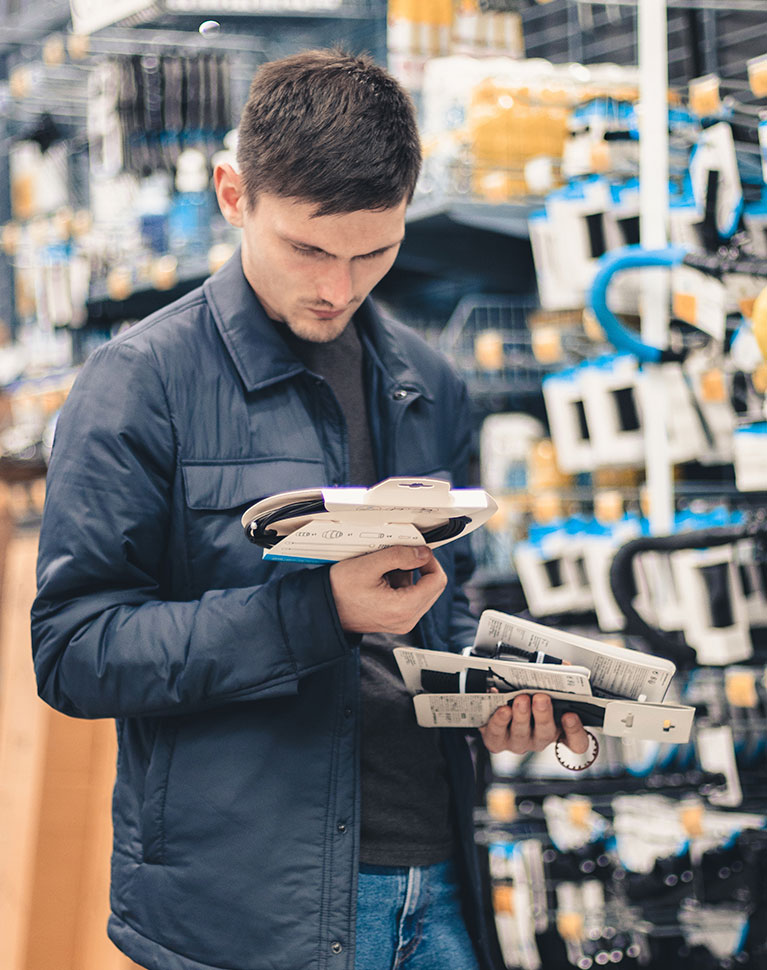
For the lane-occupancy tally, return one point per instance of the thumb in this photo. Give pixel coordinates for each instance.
(397, 557)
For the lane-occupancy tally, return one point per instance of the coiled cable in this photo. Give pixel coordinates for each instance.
(260, 533)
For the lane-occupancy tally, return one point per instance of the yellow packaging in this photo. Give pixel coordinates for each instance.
(503, 899)
(165, 272)
(713, 387)
(501, 803)
(570, 926)
(757, 75)
(543, 472)
(579, 810)
(685, 307)
(740, 688)
(547, 507)
(704, 95)
(488, 350)
(608, 506)
(547, 345)
(119, 283)
(691, 817)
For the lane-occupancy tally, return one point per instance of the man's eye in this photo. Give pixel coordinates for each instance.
(306, 252)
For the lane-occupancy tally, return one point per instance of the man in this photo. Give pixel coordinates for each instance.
(269, 811)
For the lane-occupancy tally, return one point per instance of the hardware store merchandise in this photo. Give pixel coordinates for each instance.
(586, 245)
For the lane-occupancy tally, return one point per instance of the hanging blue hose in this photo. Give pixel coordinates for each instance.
(630, 257)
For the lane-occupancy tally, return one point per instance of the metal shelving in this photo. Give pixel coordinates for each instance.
(509, 218)
(704, 35)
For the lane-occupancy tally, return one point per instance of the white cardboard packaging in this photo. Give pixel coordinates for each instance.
(614, 411)
(566, 410)
(396, 511)
(670, 723)
(713, 642)
(751, 457)
(557, 555)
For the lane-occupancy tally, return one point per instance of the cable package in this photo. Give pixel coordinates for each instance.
(329, 524)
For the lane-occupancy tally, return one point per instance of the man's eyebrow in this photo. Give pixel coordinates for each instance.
(316, 249)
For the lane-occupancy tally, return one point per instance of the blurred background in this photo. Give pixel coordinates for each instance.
(567, 145)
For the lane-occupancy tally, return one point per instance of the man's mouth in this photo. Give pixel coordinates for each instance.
(325, 314)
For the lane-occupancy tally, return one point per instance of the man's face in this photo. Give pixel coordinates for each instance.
(312, 272)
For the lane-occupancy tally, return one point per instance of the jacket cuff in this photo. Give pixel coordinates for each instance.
(309, 619)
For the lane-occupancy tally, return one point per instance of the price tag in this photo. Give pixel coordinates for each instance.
(570, 926)
(503, 899)
(547, 345)
(704, 95)
(691, 817)
(712, 387)
(740, 688)
(757, 75)
(579, 811)
(501, 803)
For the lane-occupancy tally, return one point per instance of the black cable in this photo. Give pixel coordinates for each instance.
(258, 530)
(259, 533)
(668, 645)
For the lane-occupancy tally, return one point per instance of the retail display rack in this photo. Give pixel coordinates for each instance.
(654, 856)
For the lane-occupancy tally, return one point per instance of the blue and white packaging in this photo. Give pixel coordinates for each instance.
(568, 422)
(751, 457)
(715, 152)
(715, 619)
(552, 572)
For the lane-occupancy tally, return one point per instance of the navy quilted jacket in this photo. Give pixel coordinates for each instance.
(234, 688)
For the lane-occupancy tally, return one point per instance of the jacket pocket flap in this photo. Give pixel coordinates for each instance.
(228, 485)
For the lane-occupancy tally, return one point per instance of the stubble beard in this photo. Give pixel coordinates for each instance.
(318, 331)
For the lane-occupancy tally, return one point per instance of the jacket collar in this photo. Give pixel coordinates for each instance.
(263, 358)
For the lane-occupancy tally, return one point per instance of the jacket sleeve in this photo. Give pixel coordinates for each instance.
(107, 639)
(463, 623)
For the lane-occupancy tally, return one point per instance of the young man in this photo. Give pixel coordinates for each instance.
(276, 805)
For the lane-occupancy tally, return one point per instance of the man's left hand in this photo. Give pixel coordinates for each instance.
(523, 727)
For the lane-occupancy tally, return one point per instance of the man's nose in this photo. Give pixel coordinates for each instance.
(335, 285)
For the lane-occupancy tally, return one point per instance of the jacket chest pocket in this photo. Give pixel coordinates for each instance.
(216, 494)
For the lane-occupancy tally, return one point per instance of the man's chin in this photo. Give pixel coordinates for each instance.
(307, 326)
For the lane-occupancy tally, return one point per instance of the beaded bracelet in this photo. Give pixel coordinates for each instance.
(592, 752)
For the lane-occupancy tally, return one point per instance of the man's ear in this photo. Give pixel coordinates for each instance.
(229, 191)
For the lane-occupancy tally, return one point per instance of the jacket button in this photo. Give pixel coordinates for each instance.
(348, 712)
(400, 394)
(341, 827)
(336, 947)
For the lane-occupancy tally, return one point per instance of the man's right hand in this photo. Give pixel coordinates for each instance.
(375, 593)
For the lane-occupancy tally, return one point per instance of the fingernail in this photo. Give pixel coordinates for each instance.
(540, 703)
(568, 720)
(522, 704)
(421, 553)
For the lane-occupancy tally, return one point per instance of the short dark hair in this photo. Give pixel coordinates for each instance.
(329, 127)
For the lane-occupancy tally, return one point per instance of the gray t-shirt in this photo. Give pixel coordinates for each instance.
(406, 816)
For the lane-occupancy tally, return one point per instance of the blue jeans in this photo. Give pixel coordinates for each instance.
(410, 919)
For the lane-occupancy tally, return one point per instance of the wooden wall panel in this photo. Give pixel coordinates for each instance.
(23, 730)
(56, 777)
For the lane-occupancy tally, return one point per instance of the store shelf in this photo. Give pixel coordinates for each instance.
(509, 218)
(34, 21)
(90, 16)
(280, 8)
(145, 298)
(746, 6)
